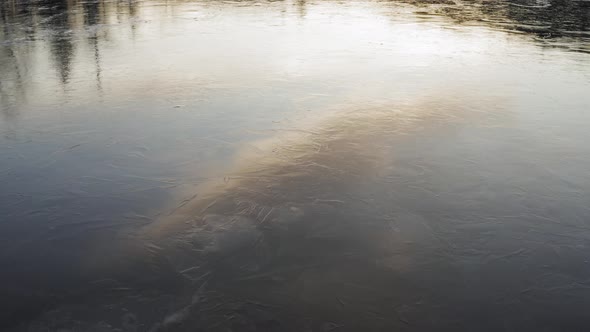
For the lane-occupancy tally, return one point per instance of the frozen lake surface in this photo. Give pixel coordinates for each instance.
(295, 165)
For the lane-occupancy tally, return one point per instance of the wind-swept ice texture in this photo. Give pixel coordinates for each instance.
(378, 218)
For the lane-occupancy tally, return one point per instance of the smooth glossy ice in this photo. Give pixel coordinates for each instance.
(294, 166)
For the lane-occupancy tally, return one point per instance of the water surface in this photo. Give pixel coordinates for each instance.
(294, 165)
